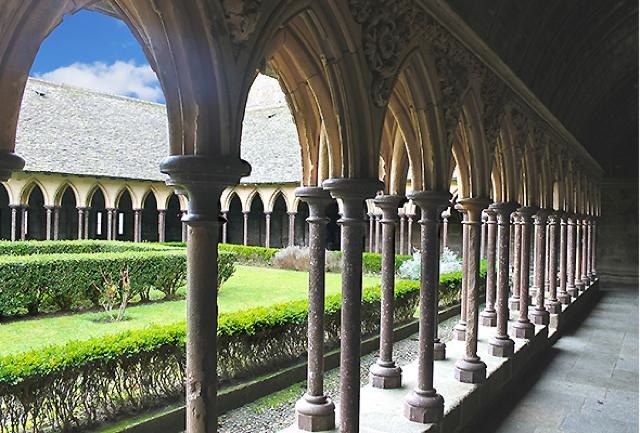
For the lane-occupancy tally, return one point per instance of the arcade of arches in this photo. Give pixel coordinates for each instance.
(382, 94)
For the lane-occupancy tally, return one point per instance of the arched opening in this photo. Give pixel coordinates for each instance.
(173, 220)
(301, 229)
(97, 216)
(279, 229)
(124, 218)
(5, 214)
(256, 223)
(235, 221)
(150, 218)
(68, 215)
(35, 215)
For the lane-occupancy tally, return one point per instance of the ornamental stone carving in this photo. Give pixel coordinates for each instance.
(453, 79)
(241, 17)
(492, 92)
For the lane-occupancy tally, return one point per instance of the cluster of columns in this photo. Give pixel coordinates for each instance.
(560, 247)
(404, 232)
(267, 227)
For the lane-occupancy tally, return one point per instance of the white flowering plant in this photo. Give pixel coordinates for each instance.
(449, 262)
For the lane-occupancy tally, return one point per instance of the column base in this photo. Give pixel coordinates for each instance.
(572, 291)
(385, 375)
(564, 298)
(439, 351)
(460, 331)
(470, 371)
(539, 316)
(424, 407)
(488, 318)
(514, 304)
(533, 294)
(554, 307)
(501, 347)
(315, 413)
(580, 287)
(524, 329)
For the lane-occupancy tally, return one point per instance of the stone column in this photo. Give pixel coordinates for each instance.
(424, 404)
(523, 328)
(81, 222)
(403, 220)
(410, 218)
(552, 304)
(563, 296)
(594, 274)
(24, 222)
(489, 316)
(267, 229)
(87, 212)
(571, 256)
(161, 225)
(111, 216)
(49, 222)
(14, 223)
(378, 242)
(514, 301)
(471, 369)
(292, 228)
(245, 227)
(501, 344)
(540, 315)
(315, 411)
(372, 229)
(546, 258)
(579, 230)
(56, 223)
(185, 227)
(385, 373)
(584, 274)
(446, 214)
(483, 237)
(353, 193)
(225, 226)
(459, 330)
(203, 179)
(137, 225)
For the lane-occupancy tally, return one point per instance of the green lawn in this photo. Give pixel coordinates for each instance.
(248, 287)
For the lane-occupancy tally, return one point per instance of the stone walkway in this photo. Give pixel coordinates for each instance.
(589, 382)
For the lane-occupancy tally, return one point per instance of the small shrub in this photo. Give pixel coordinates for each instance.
(297, 259)
(114, 293)
(226, 267)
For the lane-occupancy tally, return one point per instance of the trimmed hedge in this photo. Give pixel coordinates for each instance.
(80, 384)
(75, 247)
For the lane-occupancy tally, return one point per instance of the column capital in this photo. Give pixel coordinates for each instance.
(202, 178)
(352, 190)
(541, 216)
(526, 212)
(389, 205)
(554, 217)
(267, 213)
(503, 211)
(474, 206)
(9, 162)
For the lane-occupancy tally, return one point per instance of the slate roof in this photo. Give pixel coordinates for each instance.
(64, 129)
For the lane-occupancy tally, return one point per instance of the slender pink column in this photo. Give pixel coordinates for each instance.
(514, 301)
(523, 328)
(540, 315)
(489, 316)
(553, 304)
(578, 256)
(563, 296)
(572, 291)
(460, 329)
(584, 274)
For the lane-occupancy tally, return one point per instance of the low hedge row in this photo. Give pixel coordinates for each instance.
(75, 247)
(63, 388)
(80, 384)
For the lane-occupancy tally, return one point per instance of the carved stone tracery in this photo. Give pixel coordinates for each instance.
(241, 17)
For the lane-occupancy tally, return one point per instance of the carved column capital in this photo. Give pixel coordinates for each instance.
(473, 207)
(389, 205)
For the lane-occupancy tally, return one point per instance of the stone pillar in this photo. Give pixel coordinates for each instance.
(185, 228)
(137, 225)
(87, 212)
(540, 315)
(410, 218)
(292, 228)
(578, 277)
(402, 247)
(571, 256)
(225, 226)
(483, 236)
(378, 241)
(546, 258)
(552, 304)
(584, 274)
(81, 220)
(563, 296)
(49, 222)
(372, 230)
(385, 373)
(594, 274)
(56, 223)
(110, 218)
(471, 369)
(446, 214)
(459, 330)
(161, 225)
(245, 227)
(15, 223)
(523, 328)
(424, 404)
(267, 229)
(353, 193)
(203, 179)
(489, 316)
(315, 411)
(501, 344)
(514, 301)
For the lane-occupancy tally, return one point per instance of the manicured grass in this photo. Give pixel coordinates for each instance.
(248, 287)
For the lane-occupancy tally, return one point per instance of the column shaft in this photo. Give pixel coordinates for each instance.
(80, 223)
(460, 328)
(111, 216)
(578, 256)
(267, 229)
(372, 230)
(552, 304)
(49, 222)
(86, 222)
(403, 219)
(514, 302)
(489, 316)
(410, 233)
(523, 328)
(56, 223)
(161, 225)
(540, 315)
(14, 223)
(137, 225)
(571, 256)
(585, 255)
(292, 228)
(563, 296)
(245, 228)
(225, 227)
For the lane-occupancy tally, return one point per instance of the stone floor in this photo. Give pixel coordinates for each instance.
(589, 381)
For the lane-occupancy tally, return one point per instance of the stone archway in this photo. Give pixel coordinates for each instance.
(234, 221)
(35, 213)
(124, 220)
(279, 226)
(150, 218)
(68, 216)
(256, 234)
(97, 216)
(173, 220)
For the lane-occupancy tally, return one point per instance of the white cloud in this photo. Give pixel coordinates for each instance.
(120, 78)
